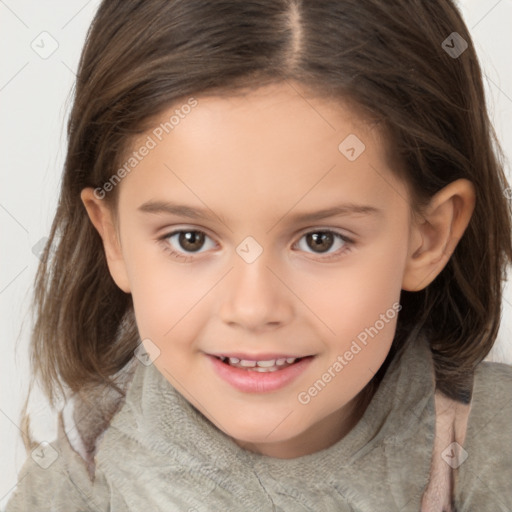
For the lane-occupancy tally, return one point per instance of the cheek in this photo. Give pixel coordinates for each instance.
(169, 316)
(354, 294)
(164, 294)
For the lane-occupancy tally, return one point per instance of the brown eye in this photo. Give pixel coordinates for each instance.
(191, 240)
(320, 241)
(183, 242)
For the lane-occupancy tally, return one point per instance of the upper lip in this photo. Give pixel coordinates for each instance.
(267, 356)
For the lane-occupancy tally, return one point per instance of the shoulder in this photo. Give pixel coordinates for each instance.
(490, 375)
(485, 472)
(491, 403)
(55, 478)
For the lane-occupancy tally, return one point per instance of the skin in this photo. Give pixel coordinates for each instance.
(256, 161)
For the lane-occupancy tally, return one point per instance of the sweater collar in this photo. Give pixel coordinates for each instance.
(395, 434)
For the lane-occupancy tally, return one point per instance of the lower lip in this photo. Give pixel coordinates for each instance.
(259, 382)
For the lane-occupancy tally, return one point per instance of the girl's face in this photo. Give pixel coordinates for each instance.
(265, 228)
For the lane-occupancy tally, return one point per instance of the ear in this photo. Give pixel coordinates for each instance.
(102, 219)
(434, 238)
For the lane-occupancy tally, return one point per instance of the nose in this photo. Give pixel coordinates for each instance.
(254, 297)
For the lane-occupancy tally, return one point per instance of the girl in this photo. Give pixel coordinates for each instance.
(276, 266)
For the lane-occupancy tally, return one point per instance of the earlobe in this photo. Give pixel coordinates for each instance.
(434, 239)
(101, 217)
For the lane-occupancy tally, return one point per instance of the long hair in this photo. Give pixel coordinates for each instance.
(143, 56)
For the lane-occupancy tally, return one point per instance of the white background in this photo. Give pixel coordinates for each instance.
(35, 96)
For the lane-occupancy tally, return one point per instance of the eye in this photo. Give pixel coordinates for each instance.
(188, 240)
(323, 240)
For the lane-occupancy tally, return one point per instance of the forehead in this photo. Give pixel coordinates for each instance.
(269, 148)
(286, 107)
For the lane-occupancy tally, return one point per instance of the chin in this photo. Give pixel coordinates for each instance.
(259, 434)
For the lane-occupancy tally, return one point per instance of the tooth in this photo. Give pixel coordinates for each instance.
(265, 370)
(246, 363)
(290, 359)
(280, 362)
(266, 364)
(234, 360)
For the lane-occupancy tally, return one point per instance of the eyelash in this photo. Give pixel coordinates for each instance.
(168, 249)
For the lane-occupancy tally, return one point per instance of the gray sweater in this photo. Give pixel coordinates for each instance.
(158, 453)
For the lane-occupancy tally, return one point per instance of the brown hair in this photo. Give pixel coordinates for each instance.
(141, 57)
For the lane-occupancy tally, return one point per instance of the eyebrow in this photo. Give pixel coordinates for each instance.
(169, 207)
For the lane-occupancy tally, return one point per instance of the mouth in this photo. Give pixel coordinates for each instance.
(261, 373)
(261, 365)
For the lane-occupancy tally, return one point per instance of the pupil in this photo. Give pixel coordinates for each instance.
(324, 241)
(187, 239)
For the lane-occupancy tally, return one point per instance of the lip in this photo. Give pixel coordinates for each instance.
(249, 381)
